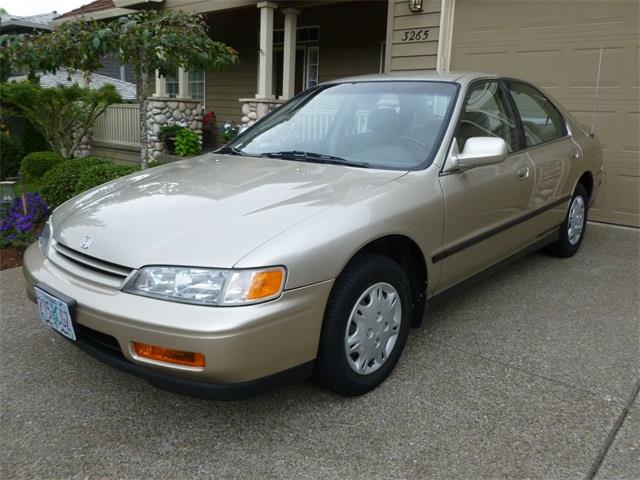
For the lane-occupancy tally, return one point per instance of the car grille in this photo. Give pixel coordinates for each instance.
(89, 268)
(98, 340)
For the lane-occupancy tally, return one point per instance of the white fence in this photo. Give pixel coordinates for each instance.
(119, 125)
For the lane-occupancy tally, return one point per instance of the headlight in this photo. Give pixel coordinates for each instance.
(45, 237)
(205, 286)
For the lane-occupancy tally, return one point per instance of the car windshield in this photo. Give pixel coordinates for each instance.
(390, 124)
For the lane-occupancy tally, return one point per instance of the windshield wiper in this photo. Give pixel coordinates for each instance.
(232, 151)
(314, 158)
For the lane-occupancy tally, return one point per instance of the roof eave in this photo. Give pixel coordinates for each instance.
(99, 15)
(130, 3)
(22, 23)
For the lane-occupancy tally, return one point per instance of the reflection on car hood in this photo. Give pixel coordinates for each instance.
(207, 211)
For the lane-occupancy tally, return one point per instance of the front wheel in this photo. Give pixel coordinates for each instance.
(574, 225)
(365, 327)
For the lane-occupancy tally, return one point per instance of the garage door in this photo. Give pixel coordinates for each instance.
(556, 45)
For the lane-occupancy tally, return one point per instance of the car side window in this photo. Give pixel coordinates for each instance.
(486, 114)
(541, 121)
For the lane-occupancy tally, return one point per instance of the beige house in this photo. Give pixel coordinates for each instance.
(288, 46)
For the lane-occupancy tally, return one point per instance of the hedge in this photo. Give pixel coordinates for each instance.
(72, 177)
(36, 164)
(59, 183)
(102, 173)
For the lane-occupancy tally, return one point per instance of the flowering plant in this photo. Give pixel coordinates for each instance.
(208, 119)
(18, 229)
(229, 131)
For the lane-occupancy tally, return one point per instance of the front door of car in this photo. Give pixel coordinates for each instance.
(550, 150)
(484, 205)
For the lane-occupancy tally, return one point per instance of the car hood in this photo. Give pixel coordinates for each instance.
(207, 211)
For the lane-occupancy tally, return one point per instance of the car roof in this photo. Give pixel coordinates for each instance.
(457, 77)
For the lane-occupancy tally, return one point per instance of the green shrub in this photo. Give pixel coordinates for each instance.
(171, 130)
(59, 183)
(187, 143)
(11, 154)
(102, 173)
(36, 164)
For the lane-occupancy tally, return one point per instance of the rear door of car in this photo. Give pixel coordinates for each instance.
(486, 206)
(550, 149)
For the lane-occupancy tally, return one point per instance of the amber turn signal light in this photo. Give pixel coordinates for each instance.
(168, 355)
(265, 284)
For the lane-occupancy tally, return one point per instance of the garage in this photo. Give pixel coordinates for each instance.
(556, 45)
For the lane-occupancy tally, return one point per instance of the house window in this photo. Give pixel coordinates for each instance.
(313, 63)
(196, 85)
(303, 35)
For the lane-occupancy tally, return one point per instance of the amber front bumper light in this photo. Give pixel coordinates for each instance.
(169, 355)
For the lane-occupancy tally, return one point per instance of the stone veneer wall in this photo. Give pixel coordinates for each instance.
(169, 111)
(253, 109)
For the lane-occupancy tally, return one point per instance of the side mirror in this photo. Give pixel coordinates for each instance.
(479, 151)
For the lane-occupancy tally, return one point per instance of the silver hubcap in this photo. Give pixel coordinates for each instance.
(373, 328)
(576, 220)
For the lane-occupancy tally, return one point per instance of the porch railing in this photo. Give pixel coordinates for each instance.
(316, 124)
(119, 125)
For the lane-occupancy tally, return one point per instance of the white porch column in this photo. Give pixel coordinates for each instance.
(447, 13)
(183, 83)
(161, 86)
(289, 63)
(265, 67)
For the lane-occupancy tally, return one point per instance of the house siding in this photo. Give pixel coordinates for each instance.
(223, 89)
(351, 37)
(405, 55)
(111, 68)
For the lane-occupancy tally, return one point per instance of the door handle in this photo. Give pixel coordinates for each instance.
(523, 173)
(576, 155)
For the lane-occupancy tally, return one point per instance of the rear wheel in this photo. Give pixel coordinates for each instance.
(574, 225)
(365, 327)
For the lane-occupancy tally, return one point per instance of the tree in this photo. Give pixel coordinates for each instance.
(165, 41)
(62, 114)
(149, 40)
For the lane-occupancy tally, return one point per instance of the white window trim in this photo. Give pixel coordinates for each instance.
(308, 66)
(299, 42)
(174, 81)
(203, 102)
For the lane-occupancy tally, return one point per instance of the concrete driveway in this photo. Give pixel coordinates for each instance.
(532, 373)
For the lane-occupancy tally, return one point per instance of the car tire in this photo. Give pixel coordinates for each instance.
(574, 226)
(363, 318)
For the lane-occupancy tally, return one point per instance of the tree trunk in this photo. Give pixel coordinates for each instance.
(143, 99)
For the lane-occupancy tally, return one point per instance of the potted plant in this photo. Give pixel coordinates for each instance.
(208, 130)
(229, 131)
(168, 135)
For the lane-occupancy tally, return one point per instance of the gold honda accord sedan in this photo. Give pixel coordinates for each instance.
(311, 243)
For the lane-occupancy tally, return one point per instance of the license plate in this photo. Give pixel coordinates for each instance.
(55, 313)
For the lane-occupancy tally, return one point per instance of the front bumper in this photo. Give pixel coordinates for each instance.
(247, 349)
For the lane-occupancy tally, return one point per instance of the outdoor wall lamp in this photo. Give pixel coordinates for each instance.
(415, 6)
(8, 191)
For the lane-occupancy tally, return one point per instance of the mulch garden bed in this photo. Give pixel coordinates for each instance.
(10, 257)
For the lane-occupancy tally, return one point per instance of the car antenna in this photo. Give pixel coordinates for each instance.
(592, 132)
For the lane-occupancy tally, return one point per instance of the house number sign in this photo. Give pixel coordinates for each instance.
(417, 35)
